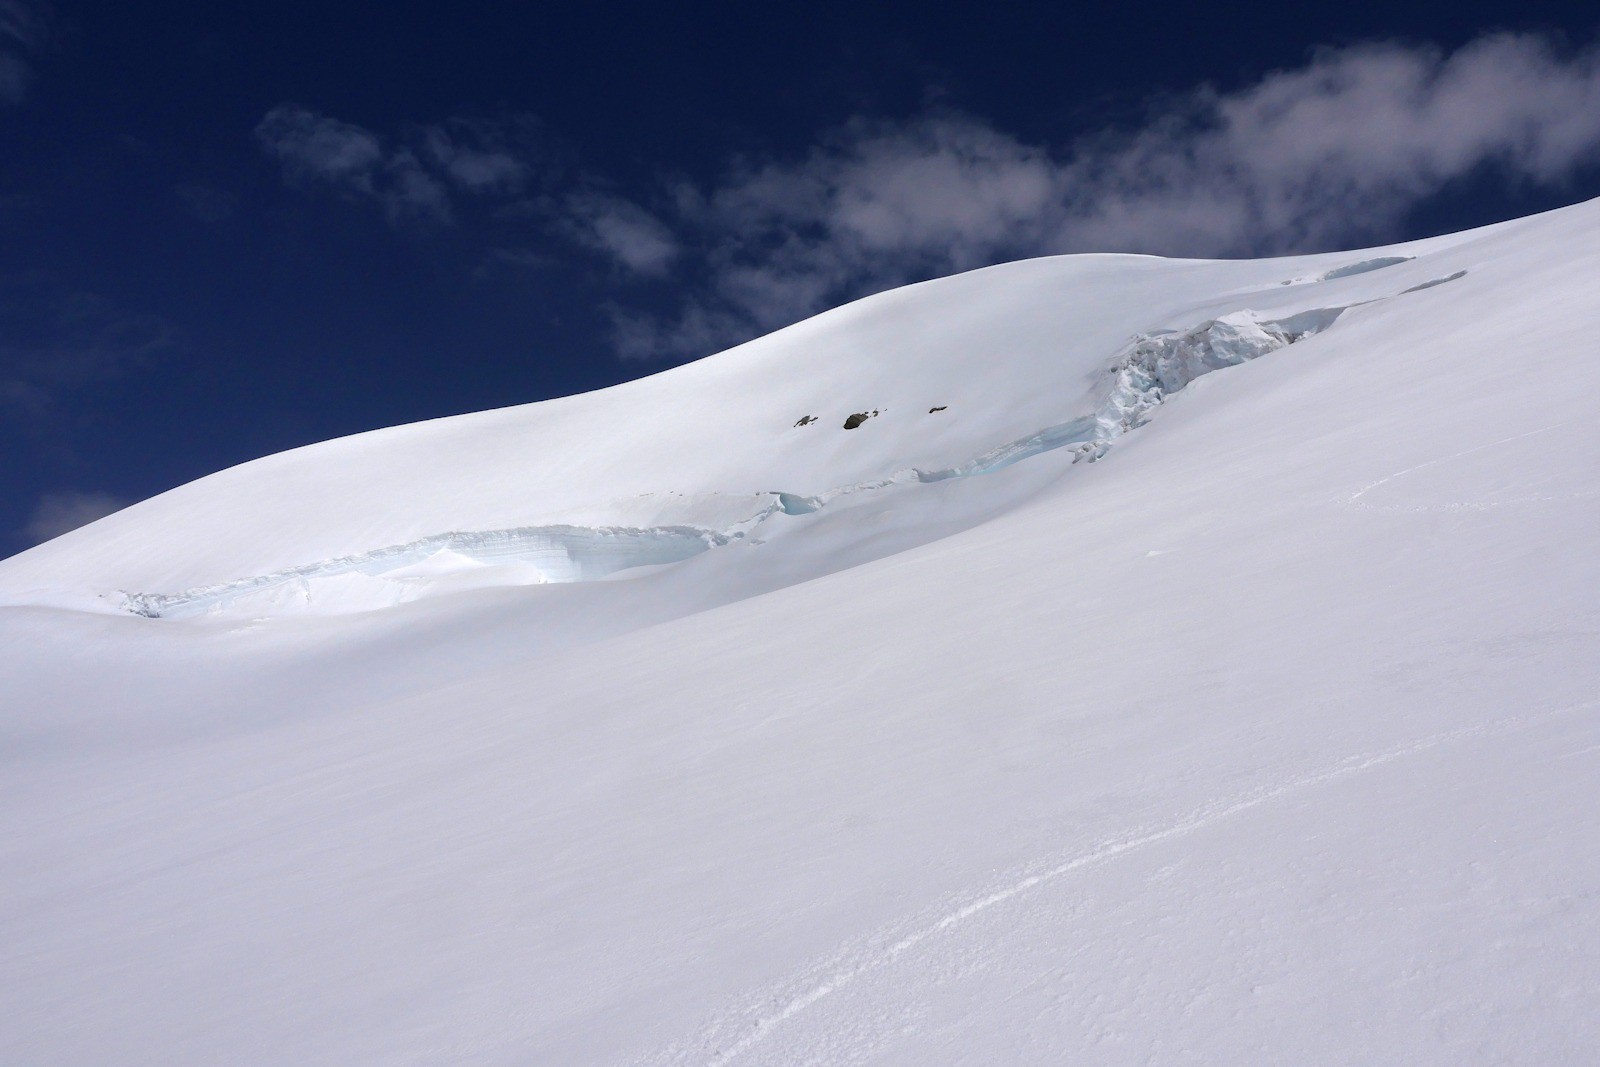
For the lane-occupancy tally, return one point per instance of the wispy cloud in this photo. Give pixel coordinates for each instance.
(23, 31)
(415, 177)
(622, 230)
(478, 156)
(315, 149)
(64, 510)
(1336, 150)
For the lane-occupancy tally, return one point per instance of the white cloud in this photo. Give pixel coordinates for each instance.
(1338, 149)
(475, 156)
(1334, 151)
(317, 149)
(64, 510)
(411, 192)
(416, 177)
(624, 231)
(310, 145)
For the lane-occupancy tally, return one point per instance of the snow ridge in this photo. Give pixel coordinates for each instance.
(553, 553)
(1150, 369)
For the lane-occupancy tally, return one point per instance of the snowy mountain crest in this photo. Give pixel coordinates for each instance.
(1153, 368)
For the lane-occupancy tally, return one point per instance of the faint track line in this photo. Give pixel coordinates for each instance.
(1356, 499)
(845, 968)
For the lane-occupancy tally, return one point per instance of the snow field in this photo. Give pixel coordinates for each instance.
(1270, 736)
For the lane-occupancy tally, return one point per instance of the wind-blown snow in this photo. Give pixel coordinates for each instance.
(716, 735)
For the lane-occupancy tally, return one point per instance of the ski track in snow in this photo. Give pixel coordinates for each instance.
(1358, 498)
(843, 969)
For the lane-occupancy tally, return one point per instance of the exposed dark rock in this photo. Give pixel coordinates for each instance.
(857, 419)
(807, 420)
(941, 407)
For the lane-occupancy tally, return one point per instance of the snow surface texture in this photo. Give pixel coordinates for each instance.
(714, 738)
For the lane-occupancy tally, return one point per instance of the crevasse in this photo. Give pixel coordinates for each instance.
(552, 553)
(1150, 369)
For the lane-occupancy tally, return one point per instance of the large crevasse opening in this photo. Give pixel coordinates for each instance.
(1153, 367)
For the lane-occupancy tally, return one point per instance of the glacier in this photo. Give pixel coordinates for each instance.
(537, 555)
(1141, 380)
(1117, 711)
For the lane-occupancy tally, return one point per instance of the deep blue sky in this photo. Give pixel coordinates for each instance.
(187, 282)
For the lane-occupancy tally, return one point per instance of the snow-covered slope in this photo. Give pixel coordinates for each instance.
(1215, 676)
(1015, 358)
